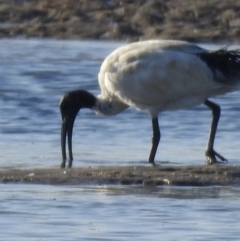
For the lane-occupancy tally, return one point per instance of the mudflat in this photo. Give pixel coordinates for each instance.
(128, 175)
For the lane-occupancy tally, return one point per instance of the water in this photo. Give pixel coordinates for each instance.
(118, 213)
(34, 76)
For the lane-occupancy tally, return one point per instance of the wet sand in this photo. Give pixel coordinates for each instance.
(128, 175)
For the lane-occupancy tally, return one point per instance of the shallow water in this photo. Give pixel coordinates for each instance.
(118, 213)
(34, 76)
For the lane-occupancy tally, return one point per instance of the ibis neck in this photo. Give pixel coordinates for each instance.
(108, 107)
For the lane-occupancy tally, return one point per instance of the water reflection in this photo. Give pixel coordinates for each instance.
(171, 192)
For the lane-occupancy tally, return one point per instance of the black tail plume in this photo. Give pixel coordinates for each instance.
(225, 65)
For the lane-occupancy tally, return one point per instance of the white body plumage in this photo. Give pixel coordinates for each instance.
(156, 75)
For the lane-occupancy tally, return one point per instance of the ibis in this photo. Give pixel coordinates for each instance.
(156, 76)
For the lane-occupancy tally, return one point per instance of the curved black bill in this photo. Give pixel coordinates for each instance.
(67, 127)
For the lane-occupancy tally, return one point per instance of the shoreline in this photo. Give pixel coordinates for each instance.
(128, 175)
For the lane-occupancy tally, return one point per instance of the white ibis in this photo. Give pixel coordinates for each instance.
(155, 76)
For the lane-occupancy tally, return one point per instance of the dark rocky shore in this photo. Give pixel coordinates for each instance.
(129, 20)
(131, 175)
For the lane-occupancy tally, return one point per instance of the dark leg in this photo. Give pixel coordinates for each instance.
(210, 153)
(70, 129)
(155, 140)
(63, 144)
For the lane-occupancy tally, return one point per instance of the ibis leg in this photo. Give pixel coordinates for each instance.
(63, 144)
(210, 153)
(70, 129)
(155, 140)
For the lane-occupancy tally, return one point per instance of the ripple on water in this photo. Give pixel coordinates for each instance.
(94, 213)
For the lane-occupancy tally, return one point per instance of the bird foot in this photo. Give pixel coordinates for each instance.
(152, 163)
(63, 164)
(211, 157)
